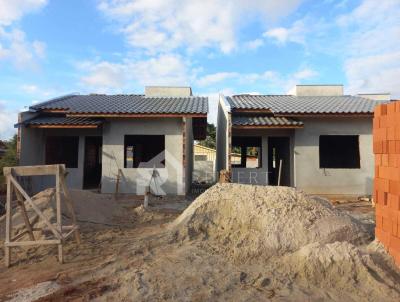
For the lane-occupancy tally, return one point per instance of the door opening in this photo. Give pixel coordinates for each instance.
(278, 152)
(92, 163)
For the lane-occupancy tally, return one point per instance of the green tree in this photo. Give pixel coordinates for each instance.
(10, 157)
(210, 140)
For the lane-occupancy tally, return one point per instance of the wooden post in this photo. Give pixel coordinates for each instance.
(58, 207)
(7, 252)
(280, 172)
(146, 197)
(117, 184)
(21, 205)
(70, 208)
(22, 197)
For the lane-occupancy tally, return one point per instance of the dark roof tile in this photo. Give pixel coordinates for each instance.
(289, 104)
(126, 104)
(269, 121)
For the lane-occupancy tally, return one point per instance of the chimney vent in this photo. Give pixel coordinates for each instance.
(317, 90)
(168, 91)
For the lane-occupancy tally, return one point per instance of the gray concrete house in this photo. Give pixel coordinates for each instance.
(139, 139)
(315, 139)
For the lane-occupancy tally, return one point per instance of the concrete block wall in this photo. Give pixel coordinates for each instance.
(386, 131)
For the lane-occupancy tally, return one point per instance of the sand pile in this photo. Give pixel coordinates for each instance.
(305, 247)
(259, 222)
(89, 207)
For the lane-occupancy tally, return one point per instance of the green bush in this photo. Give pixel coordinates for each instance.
(8, 160)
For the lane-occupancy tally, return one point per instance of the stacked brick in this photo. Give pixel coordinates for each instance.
(386, 132)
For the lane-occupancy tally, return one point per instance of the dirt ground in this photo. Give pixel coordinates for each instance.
(129, 258)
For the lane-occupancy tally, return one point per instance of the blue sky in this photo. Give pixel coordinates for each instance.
(52, 48)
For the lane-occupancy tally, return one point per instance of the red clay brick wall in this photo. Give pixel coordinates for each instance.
(387, 176)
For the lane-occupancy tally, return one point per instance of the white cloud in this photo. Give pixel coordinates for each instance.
(14, 46)
(162, 26)
(215, 78)
(36, 91)
(104, 75)
(254, 44)
(162, 70)
(13, 10)
(110, 77)
(7, 120)
(29, 88)
(372, 53)
(268, 79)
(295, 34)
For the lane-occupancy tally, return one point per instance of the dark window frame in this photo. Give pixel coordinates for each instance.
(339, 152)
(145, 148)
(62, 150)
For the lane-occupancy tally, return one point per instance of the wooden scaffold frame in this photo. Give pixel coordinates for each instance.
(60, 232)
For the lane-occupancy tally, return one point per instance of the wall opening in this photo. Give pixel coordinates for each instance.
(92, 162)
(246, 152)
(62, 150)
(279, 159)
(144, 151)
(339, 152)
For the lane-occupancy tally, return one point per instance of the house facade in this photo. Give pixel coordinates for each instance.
(117, 142)
(315, 139)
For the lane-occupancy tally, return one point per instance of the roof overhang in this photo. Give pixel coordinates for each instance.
(135, 115)
(251, 110)
(265, 127)
(58, 126)
(61, 122)
(366, 114)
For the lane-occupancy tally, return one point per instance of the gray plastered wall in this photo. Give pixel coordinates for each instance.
(311, 178)
(33, 142)
(223, 138)
(134, 180)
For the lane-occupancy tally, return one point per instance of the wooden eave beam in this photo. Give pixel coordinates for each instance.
(266, 127)
(249, 110)
(54, 110)
(324, 115)
(126, 115)
(64, 126)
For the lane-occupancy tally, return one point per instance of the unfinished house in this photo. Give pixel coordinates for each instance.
(315, 139)
(117, 142)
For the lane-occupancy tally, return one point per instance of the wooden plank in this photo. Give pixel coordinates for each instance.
(280, 172)
(32, 170)
(69, 205)
(21, 205)
(35, 208)
(58, 210)
(64, 126)
(68, 227)
(7, 256)
(73, 230)
(123, 115)
(117, 184)
(367, 114)
(266, 127)
(36, 242)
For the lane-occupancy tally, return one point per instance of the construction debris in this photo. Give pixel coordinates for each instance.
(59, 232)
(233, 243)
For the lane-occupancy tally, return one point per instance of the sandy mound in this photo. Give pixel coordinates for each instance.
(88, 207)
(260, 222)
